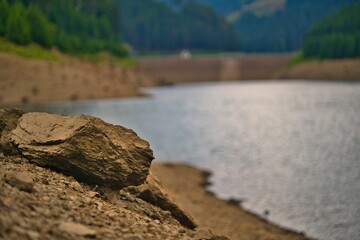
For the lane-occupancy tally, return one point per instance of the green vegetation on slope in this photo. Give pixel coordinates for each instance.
(73, 26)
(149, 25)
(337, 36)
(284, 30)
(32, 51)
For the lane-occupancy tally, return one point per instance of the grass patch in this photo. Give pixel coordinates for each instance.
(107, 58)
(32, 51)
(299, 58)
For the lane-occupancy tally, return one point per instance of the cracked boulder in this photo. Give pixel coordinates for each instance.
(85, 147)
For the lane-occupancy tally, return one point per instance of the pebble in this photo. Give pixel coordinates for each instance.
(203, 233)
(132, 237)
(20, 180)
(75, 185)
(93, 194)
(76, 229)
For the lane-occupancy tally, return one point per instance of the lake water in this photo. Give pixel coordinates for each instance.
(289, 148)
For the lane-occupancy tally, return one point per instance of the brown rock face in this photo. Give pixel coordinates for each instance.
(85, 147)
(153, 192)
(8, 121)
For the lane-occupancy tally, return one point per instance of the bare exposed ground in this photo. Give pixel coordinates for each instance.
(23, 80)
(348, 69)
(37, 203)
(249, 67)
(204, 69)
(185, 183)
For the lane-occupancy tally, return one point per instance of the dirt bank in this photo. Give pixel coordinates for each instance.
(216, 68)
(248, 67)
(24, 80)
(27, 80)
(186, 184)
(347, 69)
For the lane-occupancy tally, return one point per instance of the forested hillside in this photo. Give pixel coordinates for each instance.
(337, 36)
(270, 25)
(73, 26)
(284, 30)
(150, 25)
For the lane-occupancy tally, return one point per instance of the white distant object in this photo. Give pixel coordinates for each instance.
(185, 54)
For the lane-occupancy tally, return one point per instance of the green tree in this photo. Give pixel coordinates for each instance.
(4, 12)
(17, 27)
(336, 36)
(42, 32)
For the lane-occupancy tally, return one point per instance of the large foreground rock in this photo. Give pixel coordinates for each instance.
(83, 146)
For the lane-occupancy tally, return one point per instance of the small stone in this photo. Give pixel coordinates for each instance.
(75, 185)
(46, 199)
(93, 194)
(33, 235)
(76, 229)
(17, 160)
(86, 200)
(203, 233)
(20, 180)
(44, 181)
(111, 214)
(132, 237)
(100, 205)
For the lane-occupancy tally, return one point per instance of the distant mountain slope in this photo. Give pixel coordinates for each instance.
(336, 36)
(259, 8)
(150, 25)
(222, 7)
(284, 30)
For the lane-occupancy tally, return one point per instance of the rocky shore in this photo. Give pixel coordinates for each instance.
(78, 177)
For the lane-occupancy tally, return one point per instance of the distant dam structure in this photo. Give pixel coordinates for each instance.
(216, 68)
(230, 69)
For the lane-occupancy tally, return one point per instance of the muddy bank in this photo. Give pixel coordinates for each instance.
(36, 81)
(24, 80)
(248, 67)
(186, 184)
(216, 68)
(346, 70)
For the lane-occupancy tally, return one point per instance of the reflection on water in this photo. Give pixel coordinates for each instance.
(290, 148)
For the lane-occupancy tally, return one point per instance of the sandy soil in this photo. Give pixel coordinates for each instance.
(186, 184)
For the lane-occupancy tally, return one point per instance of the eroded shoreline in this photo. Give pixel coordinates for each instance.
(188, 185)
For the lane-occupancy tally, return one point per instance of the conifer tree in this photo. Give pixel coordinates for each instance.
(4, 12)
(17, 27)
(42, 32)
